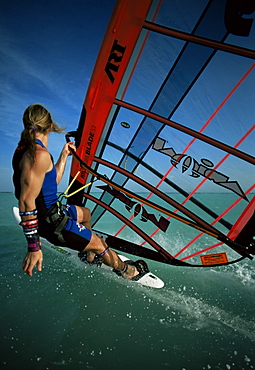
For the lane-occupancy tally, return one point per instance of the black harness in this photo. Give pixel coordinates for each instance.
(57, 218)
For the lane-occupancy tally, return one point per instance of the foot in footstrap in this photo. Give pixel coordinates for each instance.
(141, 267)
(97, 260)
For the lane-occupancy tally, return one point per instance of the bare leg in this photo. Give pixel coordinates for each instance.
(98, 245)
(84, 216)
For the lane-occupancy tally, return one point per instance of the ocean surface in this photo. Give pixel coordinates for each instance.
(68, 317)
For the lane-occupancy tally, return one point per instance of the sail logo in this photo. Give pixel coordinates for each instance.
(205, 168)
(235, 20)
(88, 148)
(114, 60)
(138, 209)
(89, 142)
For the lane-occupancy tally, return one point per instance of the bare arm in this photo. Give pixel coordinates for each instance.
(32, 177)
(61, 163)
(31, 182)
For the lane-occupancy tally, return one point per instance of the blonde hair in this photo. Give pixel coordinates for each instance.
(36, 118)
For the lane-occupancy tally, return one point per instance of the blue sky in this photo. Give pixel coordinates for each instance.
(47, 54)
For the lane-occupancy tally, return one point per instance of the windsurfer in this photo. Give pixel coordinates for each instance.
(35, 179)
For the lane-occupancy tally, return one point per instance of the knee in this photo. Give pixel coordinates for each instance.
(96, 244)
(87, 213)
(84, 214)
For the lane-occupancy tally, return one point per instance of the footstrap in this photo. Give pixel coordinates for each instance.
(141, 267)
(83, 257)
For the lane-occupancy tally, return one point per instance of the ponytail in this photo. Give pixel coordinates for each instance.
(36, 118)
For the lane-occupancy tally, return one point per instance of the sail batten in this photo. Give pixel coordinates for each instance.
(191, 132)
(249, 53)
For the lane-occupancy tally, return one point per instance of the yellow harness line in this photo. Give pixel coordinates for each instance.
(76, 191)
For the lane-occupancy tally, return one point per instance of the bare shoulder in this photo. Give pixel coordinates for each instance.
(43, 159)
(42, 162)
(41, 153)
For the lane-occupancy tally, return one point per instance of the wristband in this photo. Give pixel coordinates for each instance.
(30, 229)
(34, 244)
(28, 213)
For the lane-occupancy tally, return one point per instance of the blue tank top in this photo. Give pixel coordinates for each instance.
(49, 186)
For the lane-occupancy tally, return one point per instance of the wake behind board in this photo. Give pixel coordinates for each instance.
(148, 279)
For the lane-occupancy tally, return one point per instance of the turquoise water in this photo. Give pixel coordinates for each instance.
(67, 317)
